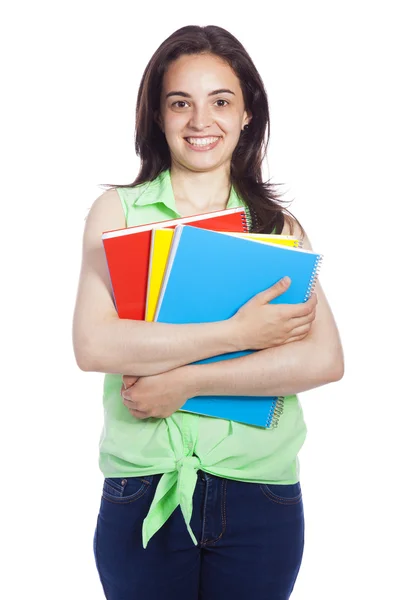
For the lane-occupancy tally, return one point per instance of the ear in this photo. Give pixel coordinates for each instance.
(246, 118)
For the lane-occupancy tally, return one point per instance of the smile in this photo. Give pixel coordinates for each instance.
(206, 143)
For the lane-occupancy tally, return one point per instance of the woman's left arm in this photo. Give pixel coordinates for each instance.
(289, 369)
(284, 370)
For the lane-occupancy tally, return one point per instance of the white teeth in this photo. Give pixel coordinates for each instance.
(202, 141)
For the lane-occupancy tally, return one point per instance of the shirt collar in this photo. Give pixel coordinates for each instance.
(160, 190)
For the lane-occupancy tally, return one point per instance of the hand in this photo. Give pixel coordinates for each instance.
(157, 395)
(260, 325)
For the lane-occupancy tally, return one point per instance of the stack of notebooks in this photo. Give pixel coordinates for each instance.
(203, 269)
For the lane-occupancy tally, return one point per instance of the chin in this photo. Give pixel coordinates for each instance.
(204, 160)
(201, 166)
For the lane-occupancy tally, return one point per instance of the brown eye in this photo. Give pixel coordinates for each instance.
(222, 105)
(179, 102)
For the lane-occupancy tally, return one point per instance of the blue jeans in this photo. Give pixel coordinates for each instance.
(251, 540)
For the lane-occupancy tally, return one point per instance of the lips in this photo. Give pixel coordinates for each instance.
(206, 143)
(202, 141)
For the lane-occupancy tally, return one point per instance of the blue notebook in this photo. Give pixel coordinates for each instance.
(209, 276)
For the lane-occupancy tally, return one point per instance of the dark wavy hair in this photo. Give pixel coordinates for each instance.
(262, 199)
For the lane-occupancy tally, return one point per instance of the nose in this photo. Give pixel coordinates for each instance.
(201, 118)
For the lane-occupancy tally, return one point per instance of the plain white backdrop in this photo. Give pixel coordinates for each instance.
(71, 72)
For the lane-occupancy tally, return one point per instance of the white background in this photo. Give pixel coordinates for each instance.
(71, 72)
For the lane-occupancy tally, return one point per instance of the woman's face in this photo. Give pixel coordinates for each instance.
(201, 111)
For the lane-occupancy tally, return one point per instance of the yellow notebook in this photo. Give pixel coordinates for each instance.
(161, 241)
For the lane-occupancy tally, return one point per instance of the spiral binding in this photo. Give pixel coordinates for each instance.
(276, 412)
(255, 222)
(251, 222)
(314, 277)
(246, 220)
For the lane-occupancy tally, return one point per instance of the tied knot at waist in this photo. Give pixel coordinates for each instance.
(174, 489)
(188, 462)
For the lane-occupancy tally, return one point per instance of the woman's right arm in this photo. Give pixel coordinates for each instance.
(104, 343)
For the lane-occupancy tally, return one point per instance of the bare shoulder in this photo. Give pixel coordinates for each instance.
(107, 209)
(105, 214)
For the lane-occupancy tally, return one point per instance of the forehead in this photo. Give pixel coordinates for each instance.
(199, 72)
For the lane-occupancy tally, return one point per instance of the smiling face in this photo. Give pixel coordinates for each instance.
(202, 111)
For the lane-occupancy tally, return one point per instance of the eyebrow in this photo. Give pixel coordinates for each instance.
(214, 93)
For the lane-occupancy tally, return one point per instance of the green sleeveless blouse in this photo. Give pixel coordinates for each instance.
(183, 443)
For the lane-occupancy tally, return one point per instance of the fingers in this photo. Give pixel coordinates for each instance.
(299, 333)
(276, 290)
(299, 321)
(303, 309)
(308, 306)
(138, 414)
(132, 406)
(128, 380)
(297, 338)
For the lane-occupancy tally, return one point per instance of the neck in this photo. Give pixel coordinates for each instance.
(200, 192)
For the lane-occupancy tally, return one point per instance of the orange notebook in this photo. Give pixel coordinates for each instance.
(128, 252)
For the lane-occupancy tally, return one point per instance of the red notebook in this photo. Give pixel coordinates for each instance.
(128, 253)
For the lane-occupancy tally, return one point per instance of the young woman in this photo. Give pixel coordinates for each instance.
(195, 507)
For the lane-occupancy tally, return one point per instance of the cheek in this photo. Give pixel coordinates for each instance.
(231, 122)
(233, 131)
(174, 124)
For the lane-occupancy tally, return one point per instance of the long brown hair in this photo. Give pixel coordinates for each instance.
(263, 200)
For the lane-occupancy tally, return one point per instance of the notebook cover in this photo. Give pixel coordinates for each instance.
(211, 276)
(161, 241)
(160, 246)
(128, 251)
(250, 410)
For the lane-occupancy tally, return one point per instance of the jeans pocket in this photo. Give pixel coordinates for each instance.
(125, 490)
(289, 493)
